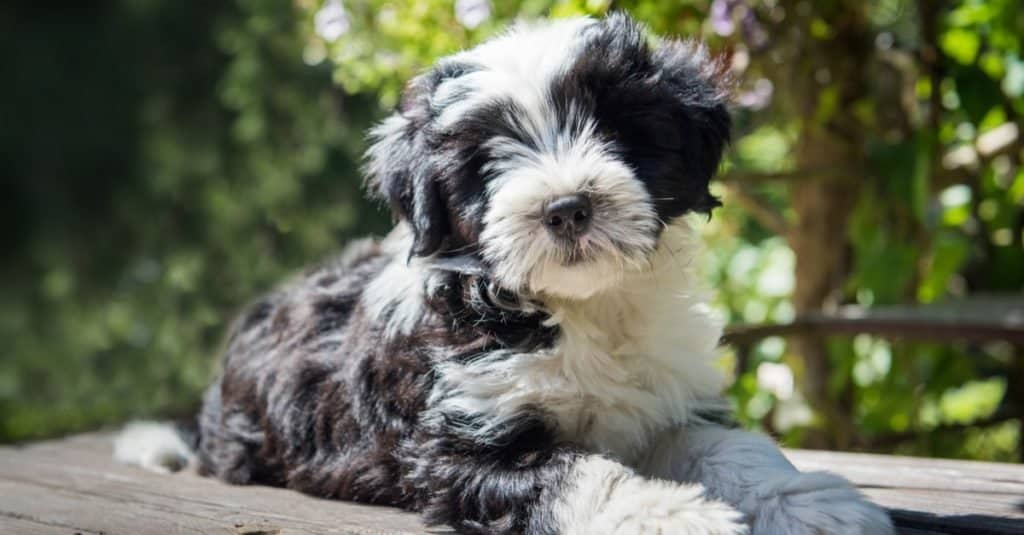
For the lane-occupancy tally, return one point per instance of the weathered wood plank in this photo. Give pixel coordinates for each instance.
(73, 486)
(932, 495)
(17, 525)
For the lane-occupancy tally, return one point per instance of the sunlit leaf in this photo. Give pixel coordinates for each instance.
(973, 400)
(961, 45)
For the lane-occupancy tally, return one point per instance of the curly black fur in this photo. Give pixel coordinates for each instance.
(315, 398)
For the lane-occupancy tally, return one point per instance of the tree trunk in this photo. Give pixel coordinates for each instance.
(831, 141)
(819, 240)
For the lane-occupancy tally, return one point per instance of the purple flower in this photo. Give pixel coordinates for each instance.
(721, 17)
(753, 32)
(759, 97)
(331, 21)
(472, 13)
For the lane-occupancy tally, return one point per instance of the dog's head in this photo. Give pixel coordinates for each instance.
(554, 154)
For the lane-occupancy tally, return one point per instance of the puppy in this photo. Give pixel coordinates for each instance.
(529, 350)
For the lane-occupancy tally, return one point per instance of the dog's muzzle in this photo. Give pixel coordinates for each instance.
(568, 217)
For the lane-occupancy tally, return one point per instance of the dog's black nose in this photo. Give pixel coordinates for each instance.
(568, 216)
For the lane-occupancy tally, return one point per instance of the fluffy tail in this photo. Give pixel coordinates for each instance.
(161, 447)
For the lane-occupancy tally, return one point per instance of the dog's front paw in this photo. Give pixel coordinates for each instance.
(662, 508)
(817, 503)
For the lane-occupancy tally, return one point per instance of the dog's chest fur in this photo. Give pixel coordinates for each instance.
(624, 365)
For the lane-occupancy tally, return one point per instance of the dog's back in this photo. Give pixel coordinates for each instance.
(306, 398)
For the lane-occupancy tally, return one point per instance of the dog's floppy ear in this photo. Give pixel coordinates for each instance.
(402, 169)
(701, 85)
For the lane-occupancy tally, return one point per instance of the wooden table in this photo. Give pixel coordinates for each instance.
(72, 486)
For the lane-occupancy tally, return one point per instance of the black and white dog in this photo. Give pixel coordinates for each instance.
(529, 350)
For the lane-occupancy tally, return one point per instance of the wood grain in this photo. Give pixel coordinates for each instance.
(932, 495)
(72, 486)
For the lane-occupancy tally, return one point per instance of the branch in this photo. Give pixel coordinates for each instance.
(908, 327)
(931, 56)
(754, 177)
(764, 213)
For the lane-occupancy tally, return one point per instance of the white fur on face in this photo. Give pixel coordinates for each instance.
(520, 64)
(515, 242)
(561, 155)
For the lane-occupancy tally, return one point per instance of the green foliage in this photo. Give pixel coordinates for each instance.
(234, 165)
(926, 229)
(206, 152)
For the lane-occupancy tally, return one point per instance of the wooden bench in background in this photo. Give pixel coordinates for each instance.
(72, 486)
(976, 319)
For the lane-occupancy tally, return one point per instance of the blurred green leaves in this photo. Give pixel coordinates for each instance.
(961, 45)
(239, 167)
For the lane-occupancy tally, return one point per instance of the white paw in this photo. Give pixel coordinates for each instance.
(817, 503)
(646, 507)
(157, 447)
